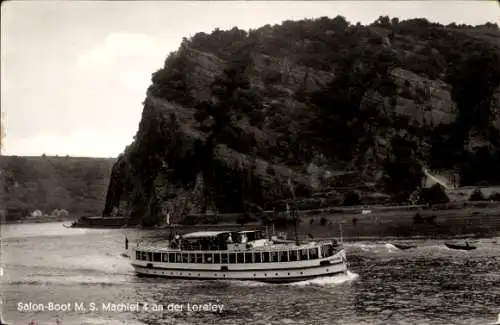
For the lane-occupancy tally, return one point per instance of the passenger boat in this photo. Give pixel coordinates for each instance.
(211, 255)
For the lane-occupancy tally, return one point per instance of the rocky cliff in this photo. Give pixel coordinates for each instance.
(234, 118)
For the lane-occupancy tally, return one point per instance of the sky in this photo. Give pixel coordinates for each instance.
(74, 74)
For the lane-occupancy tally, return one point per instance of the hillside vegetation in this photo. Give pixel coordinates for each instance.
(77, 185)
(235, 117)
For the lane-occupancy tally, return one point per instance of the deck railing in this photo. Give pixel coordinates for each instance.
(241, 248)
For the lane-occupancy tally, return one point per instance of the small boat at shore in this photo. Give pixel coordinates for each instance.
(212, 255)
(404, 246)
(464, 247)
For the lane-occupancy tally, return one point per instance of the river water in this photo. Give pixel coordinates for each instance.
(431, 284)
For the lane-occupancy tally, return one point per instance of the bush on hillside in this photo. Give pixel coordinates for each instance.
(494, 196)
(352, 198)
(435, 194)
(477, 195)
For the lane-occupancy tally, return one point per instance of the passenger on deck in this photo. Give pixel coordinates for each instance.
(176, 242)
(244, 239)
(229, 239)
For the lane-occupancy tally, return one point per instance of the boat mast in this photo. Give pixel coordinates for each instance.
(295, 215)
(340, 229)
(295, 219)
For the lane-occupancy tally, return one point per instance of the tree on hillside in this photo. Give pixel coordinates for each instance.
(474, 82)
(171, 81)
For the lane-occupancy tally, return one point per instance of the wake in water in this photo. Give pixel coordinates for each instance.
(428, 245)
(391, 248)
(320, 281)
(373, 247)
(363, 246)
(328, 280)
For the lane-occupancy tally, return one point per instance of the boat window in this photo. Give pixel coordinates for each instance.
(303, 254)
(185, 258)
(232, 258)
(137, 255)
(150, 256)
(265, 257)
(284, 256)
(293, 255)
(178, 258)
(313, 253)
(199, 258)
(171, 257)
(223, 258)
(274, 257)
(207, 258)
(156, 257)
(331, 250)
(164, 257)
(216, 258)
(327, 250)
(257, 257)
(240, 258)
(192, 258)
(248, 257)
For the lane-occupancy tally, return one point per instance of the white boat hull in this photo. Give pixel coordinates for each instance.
(266, 272)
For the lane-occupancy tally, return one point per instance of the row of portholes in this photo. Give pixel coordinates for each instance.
(215, 274)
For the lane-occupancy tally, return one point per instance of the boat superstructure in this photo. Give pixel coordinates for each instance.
(244, 255)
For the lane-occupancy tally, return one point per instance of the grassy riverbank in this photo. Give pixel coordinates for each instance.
(481, 219)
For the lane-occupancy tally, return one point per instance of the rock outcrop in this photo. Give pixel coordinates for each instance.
(235, 118)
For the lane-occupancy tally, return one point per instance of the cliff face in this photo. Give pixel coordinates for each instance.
(234, 117)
